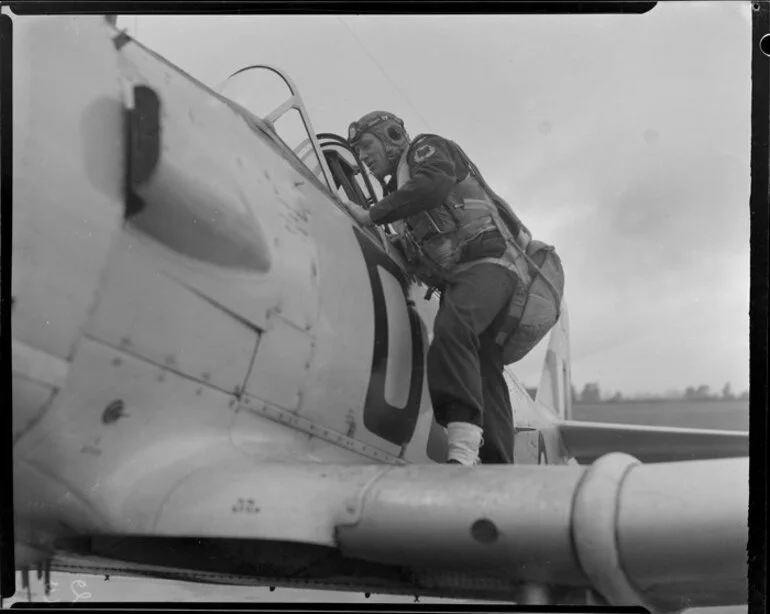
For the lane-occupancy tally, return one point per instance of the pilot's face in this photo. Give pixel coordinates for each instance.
(372, 153)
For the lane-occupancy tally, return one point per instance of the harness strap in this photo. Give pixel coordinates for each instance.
(481, 222)
(515, 313)
(523, 229)
(485, 215)
(525, 263)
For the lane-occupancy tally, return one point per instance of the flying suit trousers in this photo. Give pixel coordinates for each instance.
(465, 365)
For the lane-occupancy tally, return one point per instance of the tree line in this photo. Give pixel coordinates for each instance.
(592, 393)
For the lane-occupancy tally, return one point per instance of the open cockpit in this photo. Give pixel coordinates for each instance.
(268, 93)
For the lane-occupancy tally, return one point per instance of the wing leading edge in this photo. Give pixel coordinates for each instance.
(620, 528)
(587, 441)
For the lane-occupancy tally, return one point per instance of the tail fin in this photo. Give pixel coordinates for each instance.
(555, 389)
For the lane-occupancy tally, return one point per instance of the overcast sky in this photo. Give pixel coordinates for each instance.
(622, 140)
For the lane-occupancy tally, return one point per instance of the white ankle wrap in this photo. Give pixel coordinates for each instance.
(464, 441)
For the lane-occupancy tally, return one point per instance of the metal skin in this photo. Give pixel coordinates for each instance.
(218, 377)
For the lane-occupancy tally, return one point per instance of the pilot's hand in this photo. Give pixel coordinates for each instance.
(360, 214)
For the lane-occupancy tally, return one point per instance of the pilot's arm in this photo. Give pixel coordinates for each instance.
(434, 169)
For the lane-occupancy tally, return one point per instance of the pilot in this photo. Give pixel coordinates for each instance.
(455, 242)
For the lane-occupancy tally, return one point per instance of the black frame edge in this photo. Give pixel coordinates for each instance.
(7, 563)
(758, 304)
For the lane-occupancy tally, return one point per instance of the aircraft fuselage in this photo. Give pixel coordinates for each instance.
(220, 305)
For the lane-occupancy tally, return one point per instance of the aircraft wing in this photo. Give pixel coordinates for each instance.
(667, 536)
(587, 441)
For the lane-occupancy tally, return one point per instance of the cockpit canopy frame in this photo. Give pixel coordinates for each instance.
(307, 147)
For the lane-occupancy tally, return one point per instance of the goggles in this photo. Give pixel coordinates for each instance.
(356, 129)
